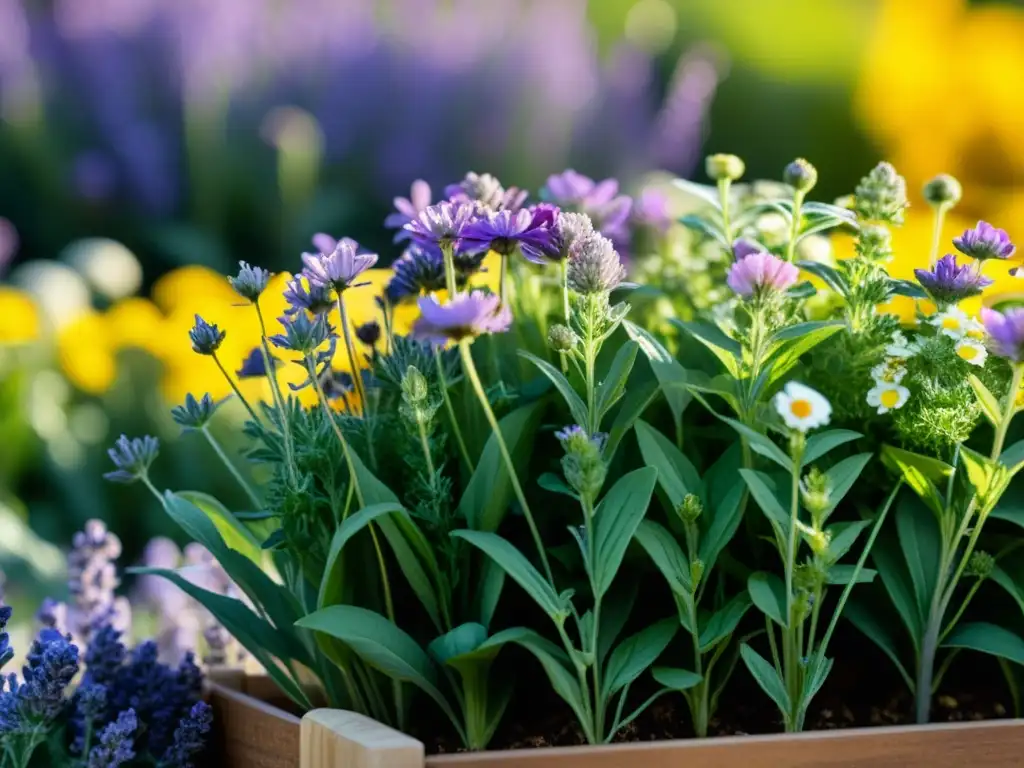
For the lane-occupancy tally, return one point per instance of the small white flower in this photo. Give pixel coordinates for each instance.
(901, 348)
(802, 408)
(889, 372)
(973, 329)
(952, 323)
(973, 352)
(887, 397)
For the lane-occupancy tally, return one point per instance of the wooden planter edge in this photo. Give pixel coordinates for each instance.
(261, 735)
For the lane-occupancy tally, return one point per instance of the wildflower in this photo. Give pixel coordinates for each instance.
(601, 201)
(874, 243)
(951, 323)
(325, 243)
(980, 564)
(900, 348)
(890, 372)
(132, 458)
(973, 352)
(802, 408)
(465, 315)
(650, 209)
(943, 190)
(206, 338)
(950, 282)
(584, 468)
(407, 209)
(594, 266)
(92, 581)
(52, 665)
(985, 242)
(303, 334)
(887, 396)
(418, 270)
(724, 167)
(104, 656)
(195, 414)
(250, 281)
(759, 273)
(502, 231)
(441, 224)
(117, 741)
(1006, 331)
(369, 333)
(90, 703)
(974, 330)
(316, 298)
(881, 195)
(562, 338)
(255, 365)
(816, 494)
(189, 737)
(800, 175)
(567, 229)
(487, 191)
(340, 268)
(690, 508)
(6, 652)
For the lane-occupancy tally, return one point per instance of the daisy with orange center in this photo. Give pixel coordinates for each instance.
(802, 408)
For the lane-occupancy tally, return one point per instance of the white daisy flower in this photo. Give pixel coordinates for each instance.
(972, 351)
(901, 348)
(887, 397)
(952, 323)
(802, 408)
(889, 372)
(973, 329)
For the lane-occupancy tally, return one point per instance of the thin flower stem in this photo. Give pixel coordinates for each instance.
(723, 197)
(963, 607)
(234, 387)
(503, 279)
(442, 381)
(565, 292)
(357, 376)
(794, 228)
(257, 504)
(940, 216)
(425, 444)
(478, 387)
(279, 400)
(448, 254)
(345, 447)
(599, 699)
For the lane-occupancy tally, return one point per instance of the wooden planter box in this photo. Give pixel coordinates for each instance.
(251, 732)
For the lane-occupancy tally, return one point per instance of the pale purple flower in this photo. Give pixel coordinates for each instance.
(501, 231)
(593, 265)
(650, 209)
(950, 282)
(418, 270)
(316, 298)
(1006, 332)
(761, 272)
(340, 269)
(407, 209)
(441, 224)
(985, 242)
(601, 201)
(465, 315)
(485, 190)
(566, 230)
(92, 581)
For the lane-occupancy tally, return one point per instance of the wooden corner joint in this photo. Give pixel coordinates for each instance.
(334, 738)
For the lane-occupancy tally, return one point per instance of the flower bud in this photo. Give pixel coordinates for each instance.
(727, 167)
(696, 573)
(800, 175)
(881, 195)
(583, 464)
(562, 338)
(369, 333)
(250, 281)
(816, 492)
(690, 509)
(943, 190)
(414, 386)
(980, 565)
(194, 414)
(205, 338)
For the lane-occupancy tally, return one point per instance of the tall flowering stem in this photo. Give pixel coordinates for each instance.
(357, 376)
(279, 401)
(442, 382)
(226, 461)
(234, 386)
(448, 254)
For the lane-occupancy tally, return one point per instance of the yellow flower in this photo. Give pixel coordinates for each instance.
(19, 317)
(136, 322)
(86, 354)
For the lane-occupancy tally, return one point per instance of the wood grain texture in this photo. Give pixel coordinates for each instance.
(248, 732)
(955, 745)
(334, 738)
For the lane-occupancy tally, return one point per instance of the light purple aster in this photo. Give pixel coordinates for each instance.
(985, 242)
(501, 231)
(761, 272)
(466, 315)
(566, 230)
(441, 224)
(408, 208)
(1006, 332)
(338, 269)
(316, 298)
(485, 190)
(594, 265)
(950, 282)
(608, 210)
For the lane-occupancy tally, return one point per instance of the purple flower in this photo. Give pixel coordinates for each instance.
(761, 272)
(485, 190)
(6, 652)
(255, 365)
(601, 201)
(52, 665)
(593, 265)
(567, 229)
(338, 269)
(316, 298)
(501, 231)
(132, 458)
(419, 269)
(743, 248)
(408, 209)
(574, 437)
(302, 333)
(465, 315)
(1006, 332)
(92, 580)
(950, 282)
(190, 737)
(651, 210)
(250, 282)
(985, 242)
(206, 338)
(441, 224)
(117, 742)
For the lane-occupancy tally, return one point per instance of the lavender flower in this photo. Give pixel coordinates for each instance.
(195, 414)
(465, 315)
(6, 652)
(601, 201)
(92, 580)
(117, 741)
(340, 268)
(325, 243)
(761, 273)
(206, 338)
(486, 190)
(407, 209)
(501, 231)
(985, 242)
(52, 665)
(1006, 332)
(418, 270)
(949, 282)
(594, 266)
(250, 281)
(369, 333)
(53, 614)
(316, 299)
(255, 365)
(189, 738)
(132, 458)
(441, 224)
(104, 657)
(91, 703)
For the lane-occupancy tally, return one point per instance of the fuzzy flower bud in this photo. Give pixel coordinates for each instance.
(980, 564)
(416, 405)
(721, 166)
(816, 493)
(696, 573)
(206, 338)
(302, 333)
(800, 175)
(882, 195)
(562, 338)
(943, 190)
(369, 333)
(194, 414)
(250, 281)
(594, 266)
(874, 243)
(132, 458)
(583, 464)
(690, 509)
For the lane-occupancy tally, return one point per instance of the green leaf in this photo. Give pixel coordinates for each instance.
(616, 519)
(724, 621)
(988, 477)
(549, 481)
(231, 529)
(555, 663)
(830, 276)
(636, 401)
(892, 569)
(611, 389)
(762, 488)
(462, 640)
(614, 614)
(703, 192)
(707, 228)
(576, 405)
(332, 585)
(921, 543)
(907, 288)
(488, 590)
(636, 653)
(675, 678)
(1010, 576)
(782, 361)
(867, 621)
(823, 442)
(769, 595)
(920, 473)
(987, 638)
(515, 564)
(842, 574)
(373, 490)
(761, 444)
(843, 475)
(766, 677)
(676, 475)
(671, 376)
(416, 560)
(988, 402)
(723, 510)
(1011, 514)
(663, 549)
(1013, 457)
(726, 349)
(802, 290)
(486, 499)
(843, 535)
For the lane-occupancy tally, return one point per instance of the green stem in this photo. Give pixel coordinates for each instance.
(257, 504)
(963, 607)
(442, 381)
(448, 254)
(794, 228)
(357, 376)
(234, 387)
(599, 699)
(940, 216)
(279, 400)
(470, 368)
(329, 414)
(723, 197)
(503, 279)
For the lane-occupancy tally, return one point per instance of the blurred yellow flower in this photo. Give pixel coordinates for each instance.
(19, 317)
(87, 354)
(136, 322)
